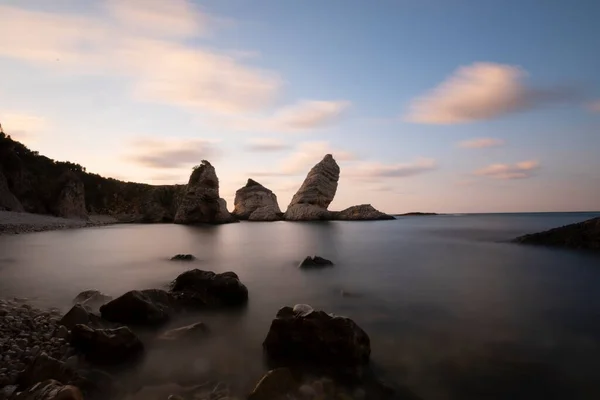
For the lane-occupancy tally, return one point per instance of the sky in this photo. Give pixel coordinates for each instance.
(427, 105)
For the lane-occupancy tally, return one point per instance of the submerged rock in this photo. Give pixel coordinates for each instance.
(582, 235)
(197, 288)
(316, 193)
(256, 203)
(275, 384)
(315, 262)
(92, 298)
(190, 333)
(316, 338)
(363, 212)
(183, 257)
(107, 346)
(201, 202)
(150, 307)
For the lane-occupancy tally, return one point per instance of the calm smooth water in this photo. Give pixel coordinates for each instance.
(453, 310)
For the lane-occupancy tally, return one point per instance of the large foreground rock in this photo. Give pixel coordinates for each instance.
(316, 193)
(582, 235)
(363, 212)
(255, 202)
(201, 202)
(303, 335)
(107, 346)
(150, 307)
(197, 288)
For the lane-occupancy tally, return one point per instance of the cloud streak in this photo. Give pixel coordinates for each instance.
(266, 145)
(481, 91)
(520, 170)
(401, 170)
(172, 153)
(143, 41)
(481, 143)
(594, 106)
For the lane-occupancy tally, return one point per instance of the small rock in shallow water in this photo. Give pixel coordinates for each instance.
(315, 262)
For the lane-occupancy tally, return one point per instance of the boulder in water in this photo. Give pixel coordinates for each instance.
(582, 235)
(107, 346)
(183, 257)
(150, 307)
(197, 288)
(315, 262)
(299, 336)
(92, 298)
(79, 314)
(363, 212)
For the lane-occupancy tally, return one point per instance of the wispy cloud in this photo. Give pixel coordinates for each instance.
(305, 115)
(401, 170)
(266, 145)
(171, 153)
(147, 42)
(305, 156)
(481, 91)
(480, 143)
(520, 170)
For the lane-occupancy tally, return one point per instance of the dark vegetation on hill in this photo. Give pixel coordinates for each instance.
(41, 185)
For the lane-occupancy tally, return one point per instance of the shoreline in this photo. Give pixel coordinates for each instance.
(16, 223)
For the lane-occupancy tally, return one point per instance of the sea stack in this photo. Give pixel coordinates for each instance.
(316, 193)
(255, 202)
(201, 202)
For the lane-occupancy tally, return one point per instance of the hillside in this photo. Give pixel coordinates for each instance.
(34, 183)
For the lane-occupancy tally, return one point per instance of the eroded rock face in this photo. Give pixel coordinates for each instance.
(255, 197)
(316, 193)
(150, 307)
(201, 202)
(197, 289)
(107, 346)
(363, 212)
(582, 235)
(8, 200)
(301, 335)
(70, 202)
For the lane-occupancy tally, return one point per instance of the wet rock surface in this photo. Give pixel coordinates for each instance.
(150, 307)
(107, 346)
(197, 289)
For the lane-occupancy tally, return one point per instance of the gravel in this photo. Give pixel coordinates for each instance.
(24, 333)
(12, 222)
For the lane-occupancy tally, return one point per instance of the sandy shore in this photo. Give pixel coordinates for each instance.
(18, 222)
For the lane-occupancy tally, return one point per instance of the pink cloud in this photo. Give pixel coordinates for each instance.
(520, 170)
(479, 143)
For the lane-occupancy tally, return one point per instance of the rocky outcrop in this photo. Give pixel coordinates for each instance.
(302, 335)
(106, 346)
(256, 203)
(8, 201)
(315, 262)
(316, 193)
(70, 201)
(582, 235)
(198, 289)
(363, 212)
(150, 307)
(201, 202)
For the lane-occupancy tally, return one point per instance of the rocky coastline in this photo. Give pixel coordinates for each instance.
(36, 184)
(95, 350)
(14, 222)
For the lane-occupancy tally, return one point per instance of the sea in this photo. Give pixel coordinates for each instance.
(454, 310)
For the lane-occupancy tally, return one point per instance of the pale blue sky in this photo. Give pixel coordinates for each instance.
(428, 105)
